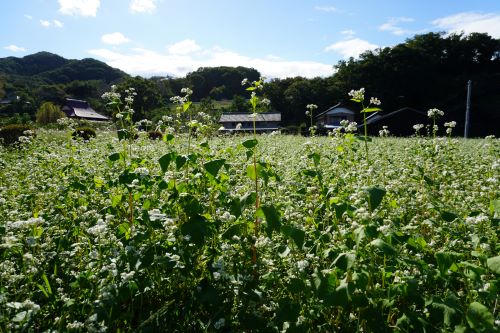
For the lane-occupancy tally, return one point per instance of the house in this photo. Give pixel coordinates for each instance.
(399, 122)
(264, 122)
(332, 117)
(75, 108)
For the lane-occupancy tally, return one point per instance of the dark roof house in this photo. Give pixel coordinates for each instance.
(332, 117)
(264, 122)
(399, 122)
(75, 108)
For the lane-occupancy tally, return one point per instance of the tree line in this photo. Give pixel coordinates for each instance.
(426, 71)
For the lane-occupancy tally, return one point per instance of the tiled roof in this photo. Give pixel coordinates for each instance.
(88, 113)
(81, 109)
(243, 117)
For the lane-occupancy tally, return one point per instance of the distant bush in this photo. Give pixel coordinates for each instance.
(10, 134)
(84, 132)
(155, 135)
(49, 113)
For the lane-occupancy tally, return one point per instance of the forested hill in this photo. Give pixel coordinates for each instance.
(45, 76)
(54, 69)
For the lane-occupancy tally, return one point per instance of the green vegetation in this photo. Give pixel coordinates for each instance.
(48, 114)
(86, 133)
(15, 133)
(265, 233)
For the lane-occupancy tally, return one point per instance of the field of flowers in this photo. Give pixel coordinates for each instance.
(188, 234)
(195, 232)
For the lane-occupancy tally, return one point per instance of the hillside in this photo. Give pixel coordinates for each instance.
(56, 69)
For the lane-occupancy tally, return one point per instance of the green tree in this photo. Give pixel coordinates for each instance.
(240, 104)
(48, 113)
(148, 96)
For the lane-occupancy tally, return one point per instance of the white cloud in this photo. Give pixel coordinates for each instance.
(29, 17)
(351, 48)
(142, 6)
(48, 24)
(328, 9)
(469, 22)
(57, 23)
(14, 48)
(348, 33)
(79, 7)
(45, 23)
(184, 47)
(393, 26)
(146, 62)
(116, 38)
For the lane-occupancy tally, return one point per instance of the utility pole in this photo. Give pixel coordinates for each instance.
(467, 109)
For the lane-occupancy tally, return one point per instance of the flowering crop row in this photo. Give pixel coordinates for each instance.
(98, 237)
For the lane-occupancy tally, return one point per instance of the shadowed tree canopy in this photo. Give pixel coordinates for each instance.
(432, 70)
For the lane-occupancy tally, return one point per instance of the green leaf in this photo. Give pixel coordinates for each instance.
(356, 100)
(373, 109)
(116, 199)
(234, 230)
(168, 138)
(375, 196)
(384, 247)
(251, 172)
(448, 216)
(296, 286)
(445, 260)
(249, 144)
(340, 297)
(186, 106)
(114, 157)
(345, 261)
(494, 264)
(180, 161)
(309, 173)
(214, 166)
(480, 318)
(197, 228)
(296, 234)
(124, 230)
(165, 160)
(495, 207)
(272, 218)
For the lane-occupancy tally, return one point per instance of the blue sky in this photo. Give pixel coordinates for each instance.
(280, 38)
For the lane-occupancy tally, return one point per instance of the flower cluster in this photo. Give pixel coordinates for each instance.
(434, 113)
(357, 95)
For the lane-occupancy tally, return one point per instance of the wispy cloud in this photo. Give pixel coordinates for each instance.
(328, 9)
(184, 47)
(45, 23)
(14, 48)
(115, 38)
(57, 23)
(393, 26)
(187, 56)
(142, 6)
(54, 23)
(469, 22)
(348, 33)
(79, 7)
(351, 48)
(29, 17)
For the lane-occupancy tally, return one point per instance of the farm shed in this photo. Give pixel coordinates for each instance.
(264, 122)
(332, 117)
(75, 108)
(399, 122)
